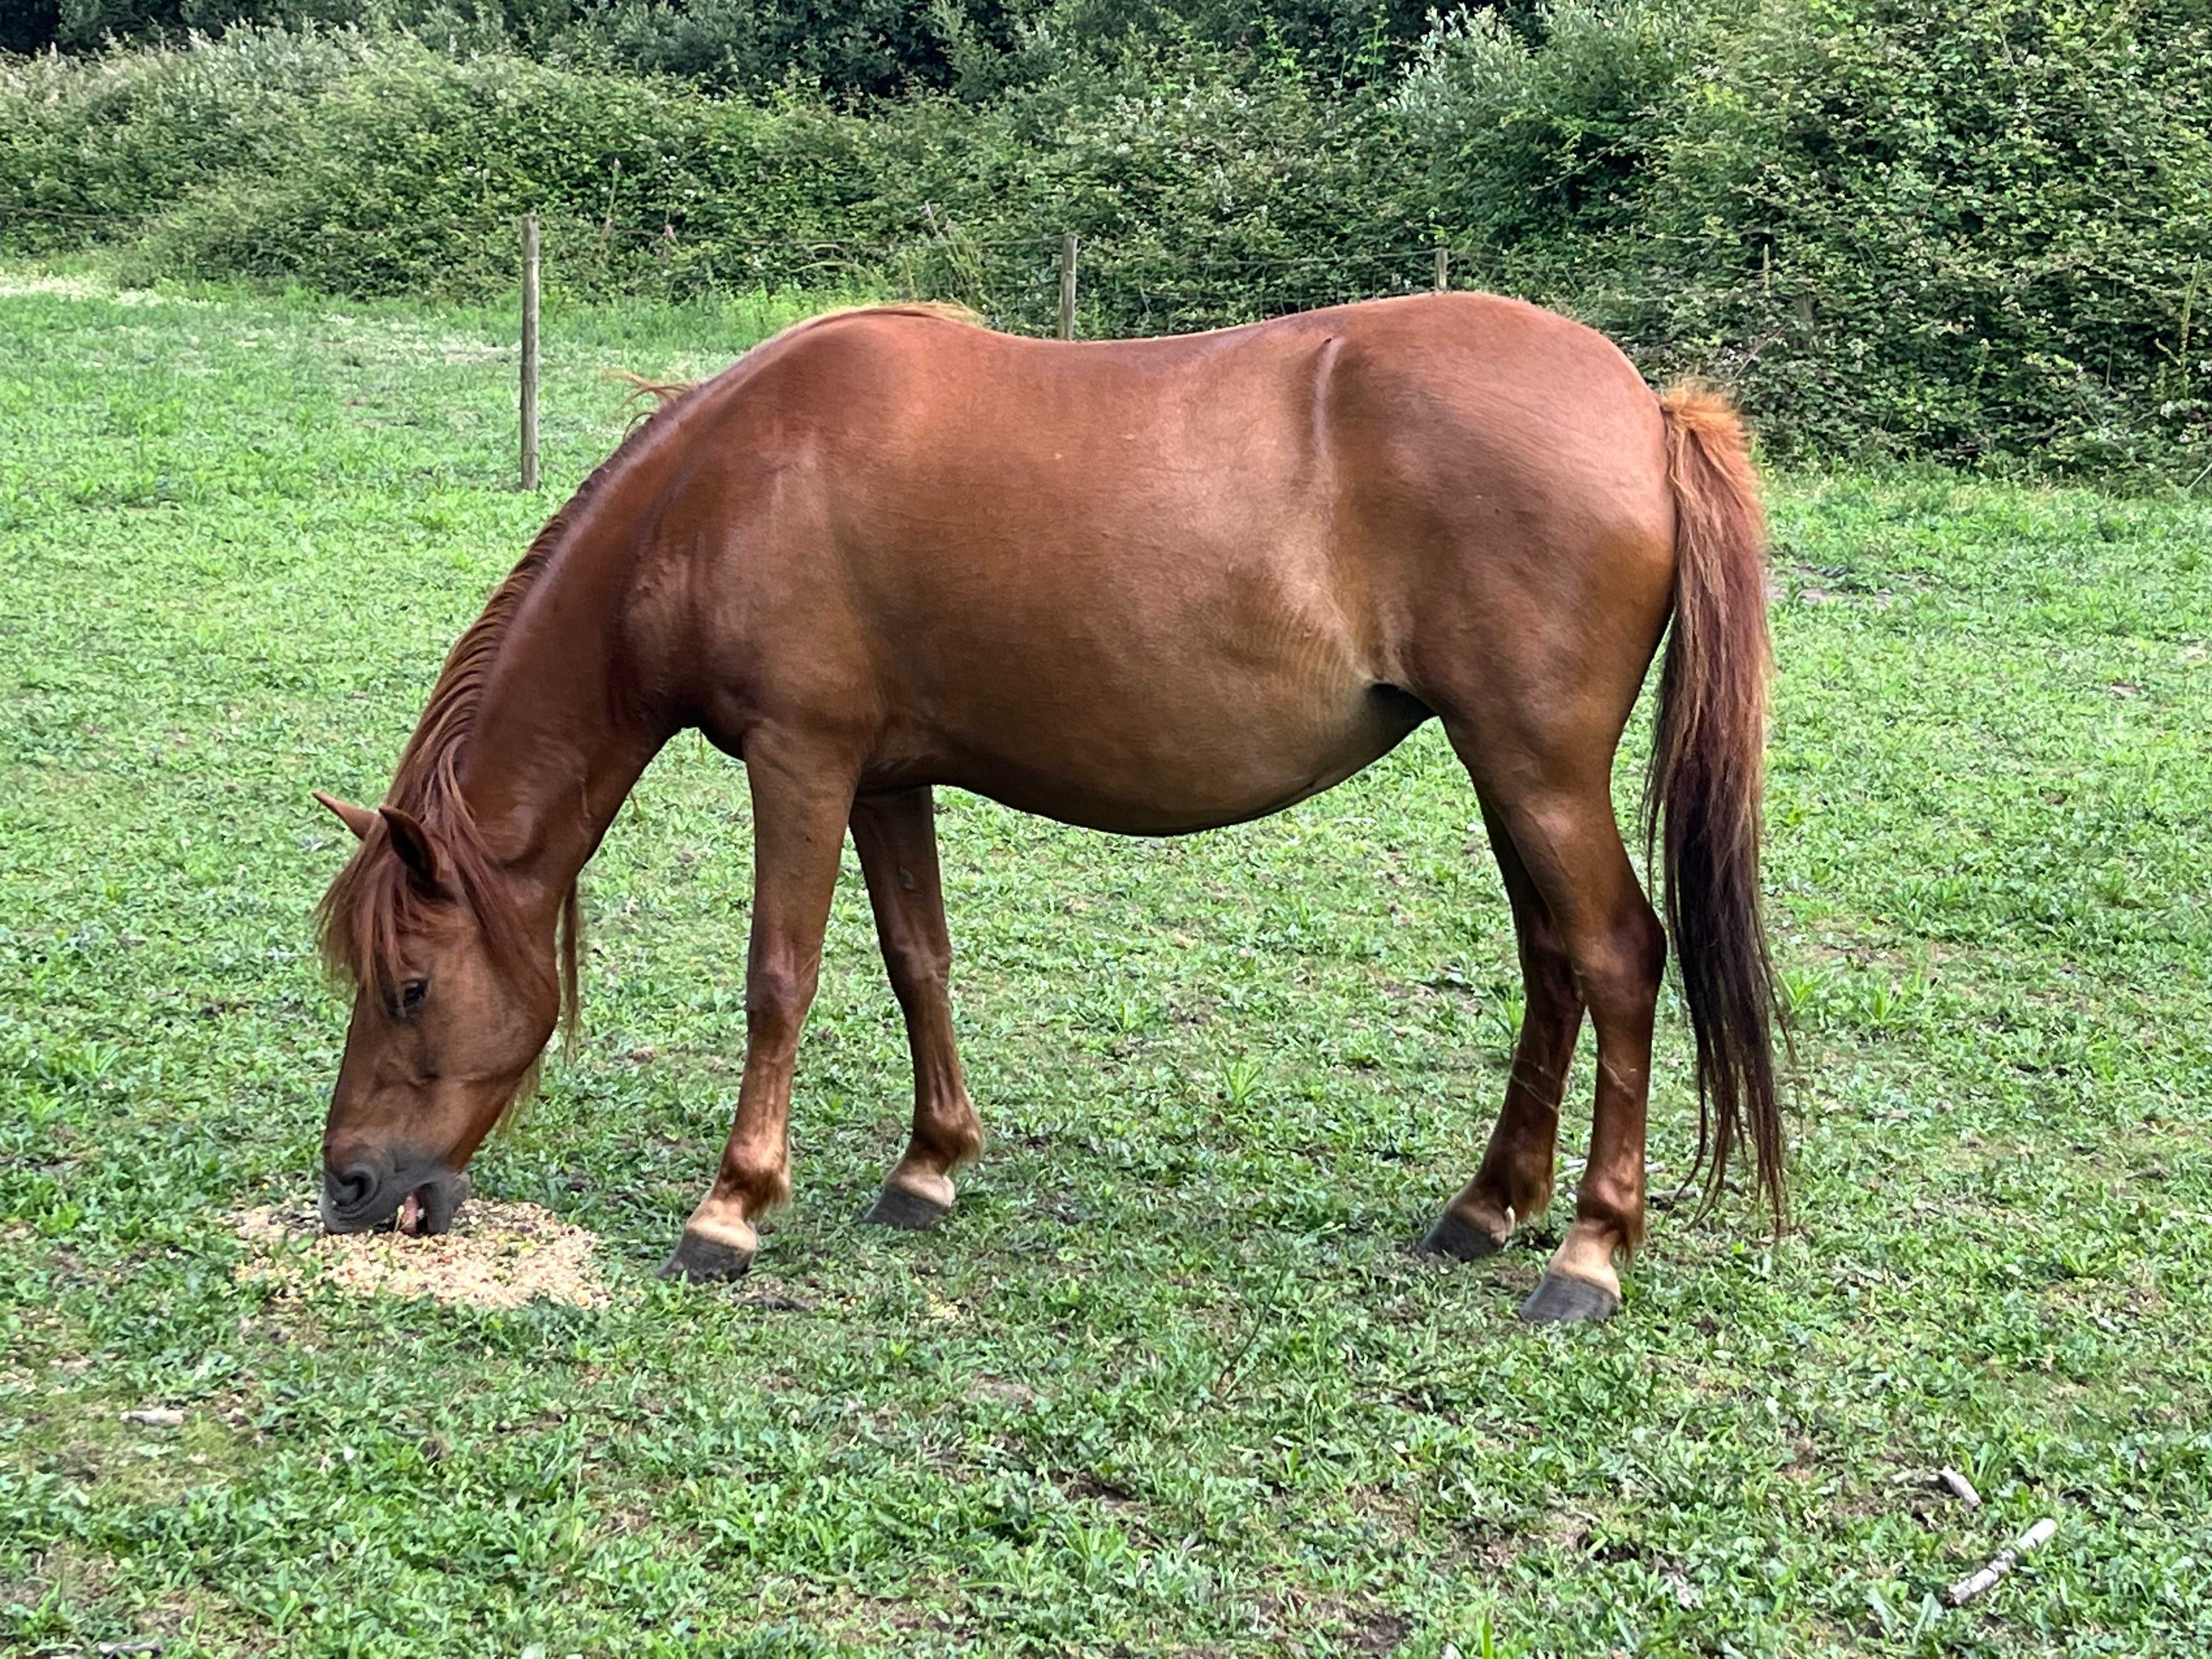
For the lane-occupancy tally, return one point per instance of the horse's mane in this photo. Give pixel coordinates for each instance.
(376, 901)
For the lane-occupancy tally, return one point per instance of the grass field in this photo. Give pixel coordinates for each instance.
(1172, 1380)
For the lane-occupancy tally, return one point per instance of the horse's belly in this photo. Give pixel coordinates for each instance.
(1166, 776)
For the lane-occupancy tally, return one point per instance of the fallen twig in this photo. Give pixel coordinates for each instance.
(1968, 1587)
(1959, 1487)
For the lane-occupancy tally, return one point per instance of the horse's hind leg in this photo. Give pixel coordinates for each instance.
(1572, 848)
(1514, 1182)
(897, 834)
(1559, 820)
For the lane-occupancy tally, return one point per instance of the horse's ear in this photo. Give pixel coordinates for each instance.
(413, 844)
(359, 819)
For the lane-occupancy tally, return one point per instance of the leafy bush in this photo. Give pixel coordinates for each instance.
(387, 165)
(873, 47)
(1954, 228)
(1555, 138)
(120, 137)
(1949, 226)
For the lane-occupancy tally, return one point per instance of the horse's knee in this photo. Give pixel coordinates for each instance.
(778, 991)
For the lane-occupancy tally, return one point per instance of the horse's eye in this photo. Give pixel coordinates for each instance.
(411, 994)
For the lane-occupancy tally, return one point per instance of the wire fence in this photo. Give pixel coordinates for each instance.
(1824, 363)
(1102, 286)
(1130, 282)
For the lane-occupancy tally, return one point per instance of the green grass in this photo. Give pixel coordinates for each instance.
(1172, 1380)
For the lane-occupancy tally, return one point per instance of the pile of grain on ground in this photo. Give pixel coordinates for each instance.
(497, 1255)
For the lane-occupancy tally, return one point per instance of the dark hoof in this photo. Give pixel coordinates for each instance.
(909, 1212)
(1461, 1239)
(705, 1260)
(1563, 1299)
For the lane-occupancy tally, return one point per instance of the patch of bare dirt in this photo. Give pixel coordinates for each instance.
(497, 1256)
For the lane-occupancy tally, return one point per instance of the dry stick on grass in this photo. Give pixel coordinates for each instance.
(1968, 1587)
(1959, 1487)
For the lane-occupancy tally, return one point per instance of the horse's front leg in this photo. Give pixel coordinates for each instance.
(801, 802)
(897, 834)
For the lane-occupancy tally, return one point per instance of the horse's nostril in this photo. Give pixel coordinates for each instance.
(350, 1188)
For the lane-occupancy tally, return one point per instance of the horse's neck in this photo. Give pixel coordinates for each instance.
(561, 733)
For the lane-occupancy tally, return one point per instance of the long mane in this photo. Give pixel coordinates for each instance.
(375, 901)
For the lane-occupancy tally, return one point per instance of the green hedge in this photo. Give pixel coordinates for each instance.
(1974, 224)
(1972, 232)
(874, 48)
(390, 168)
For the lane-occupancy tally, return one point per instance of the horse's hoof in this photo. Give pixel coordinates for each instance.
(908, 1211)
(1563, 1299)
(1456, 1236)
(703, 1260)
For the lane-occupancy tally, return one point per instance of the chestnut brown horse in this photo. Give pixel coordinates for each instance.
(1150, 586)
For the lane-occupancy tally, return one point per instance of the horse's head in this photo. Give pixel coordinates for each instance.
(455, 996)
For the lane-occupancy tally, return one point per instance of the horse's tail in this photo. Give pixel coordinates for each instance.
(1702, 791)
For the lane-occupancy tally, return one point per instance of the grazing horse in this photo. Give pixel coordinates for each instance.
(1150, 586)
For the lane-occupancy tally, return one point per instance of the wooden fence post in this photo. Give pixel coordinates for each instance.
(1443, 269)
(530, 351)
(1067, 286)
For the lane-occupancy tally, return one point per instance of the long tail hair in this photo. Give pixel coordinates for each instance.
(1701, 797)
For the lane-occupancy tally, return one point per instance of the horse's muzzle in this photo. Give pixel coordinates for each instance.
(371, 1191)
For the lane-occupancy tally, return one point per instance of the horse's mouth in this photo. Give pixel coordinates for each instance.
(414, 1215)
(421, 1210)
(430, 1209)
